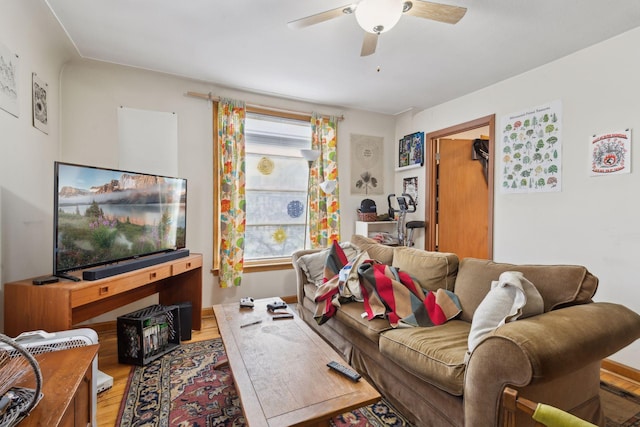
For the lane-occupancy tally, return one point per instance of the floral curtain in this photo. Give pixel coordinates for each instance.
(324, 209)
(231, 116)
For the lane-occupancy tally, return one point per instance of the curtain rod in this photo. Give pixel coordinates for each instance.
(210, 97)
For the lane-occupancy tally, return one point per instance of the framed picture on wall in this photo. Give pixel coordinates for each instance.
(410, 187)
(40, 115)
(411, 151)
(9, 86)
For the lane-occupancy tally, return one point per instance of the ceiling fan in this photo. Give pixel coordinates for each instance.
(379, 16)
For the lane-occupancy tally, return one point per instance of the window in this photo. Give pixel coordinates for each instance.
(276, 185)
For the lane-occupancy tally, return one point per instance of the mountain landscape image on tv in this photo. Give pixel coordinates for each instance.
(104, 215)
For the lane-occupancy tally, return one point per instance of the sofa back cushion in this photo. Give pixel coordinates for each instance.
(559, 285)
(433, 270)
(377, 251)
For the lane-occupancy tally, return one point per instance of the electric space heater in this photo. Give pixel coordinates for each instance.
(38, 342)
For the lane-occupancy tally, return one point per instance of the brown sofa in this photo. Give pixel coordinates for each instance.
(552, 357)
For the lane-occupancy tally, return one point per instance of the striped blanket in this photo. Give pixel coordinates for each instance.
(392, 294)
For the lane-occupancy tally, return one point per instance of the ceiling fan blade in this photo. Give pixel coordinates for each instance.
(435, 11)
(321, 17)
(369, 44)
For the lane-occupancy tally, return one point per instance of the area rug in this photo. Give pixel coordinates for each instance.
(192, 387)
(182, 388)
(621, 408)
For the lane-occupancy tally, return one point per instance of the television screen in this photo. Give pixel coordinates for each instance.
(104, 215)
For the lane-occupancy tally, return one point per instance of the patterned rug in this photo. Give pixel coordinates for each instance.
(621, 408)
(182, 388)
(187, 388)
(190, 387)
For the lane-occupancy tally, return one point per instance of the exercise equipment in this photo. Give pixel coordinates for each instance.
(406, 204)
(411, 226)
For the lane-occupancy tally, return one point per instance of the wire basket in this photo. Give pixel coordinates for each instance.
(367, 216)
(17, 402)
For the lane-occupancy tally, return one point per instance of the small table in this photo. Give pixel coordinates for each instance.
(280, 372)
(66, 387)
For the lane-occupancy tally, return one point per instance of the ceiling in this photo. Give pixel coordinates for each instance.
(247, 45)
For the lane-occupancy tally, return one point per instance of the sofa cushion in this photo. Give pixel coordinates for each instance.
(436, 354)
(432, 270)
(379, 252)
(350, 314)
(310, 292)
(559, 285)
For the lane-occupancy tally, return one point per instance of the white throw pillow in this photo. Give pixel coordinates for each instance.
(511, 297)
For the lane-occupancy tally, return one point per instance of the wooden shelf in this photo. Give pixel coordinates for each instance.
(365, 228)
(59, 306)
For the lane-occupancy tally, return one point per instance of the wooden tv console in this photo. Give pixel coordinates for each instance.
(58, 306)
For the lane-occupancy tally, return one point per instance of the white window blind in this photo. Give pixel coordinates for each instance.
(276, 185)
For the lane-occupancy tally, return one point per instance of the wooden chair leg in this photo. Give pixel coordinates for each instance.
(511, 404)
(509, 397)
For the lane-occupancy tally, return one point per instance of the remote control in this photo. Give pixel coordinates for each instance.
(280, 316)
(347, 372)
(45, 280)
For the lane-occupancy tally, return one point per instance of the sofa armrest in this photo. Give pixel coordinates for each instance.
(543, 348)
(567, 339)
(301, 277)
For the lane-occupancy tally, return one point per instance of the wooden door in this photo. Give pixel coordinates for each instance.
(462, 201)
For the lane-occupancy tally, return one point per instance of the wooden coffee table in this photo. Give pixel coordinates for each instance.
(280, 372)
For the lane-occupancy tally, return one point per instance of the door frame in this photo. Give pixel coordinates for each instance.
(431, 139)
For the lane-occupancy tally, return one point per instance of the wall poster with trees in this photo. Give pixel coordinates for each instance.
(531, 147)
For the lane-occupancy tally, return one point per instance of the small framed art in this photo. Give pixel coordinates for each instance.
(9, 86)
(40, 115)
(411, 151)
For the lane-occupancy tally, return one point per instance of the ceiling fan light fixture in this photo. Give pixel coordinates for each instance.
(378, 16)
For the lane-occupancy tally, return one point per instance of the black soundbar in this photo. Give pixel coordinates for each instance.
(135, 264)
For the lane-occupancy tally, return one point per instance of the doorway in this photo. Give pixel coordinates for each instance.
(460, 201)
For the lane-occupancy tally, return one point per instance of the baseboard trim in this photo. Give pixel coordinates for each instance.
(101, 327)
(622, 370)
(111, 325)
(291, 299)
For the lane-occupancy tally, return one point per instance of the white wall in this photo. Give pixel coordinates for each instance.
(594, 220)
(93, 91)
(591, 222)
(26, 161)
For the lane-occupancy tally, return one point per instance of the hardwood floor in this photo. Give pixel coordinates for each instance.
(625, 383)
(109, 400)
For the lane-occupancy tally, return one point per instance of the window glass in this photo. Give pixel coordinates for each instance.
(276, 185)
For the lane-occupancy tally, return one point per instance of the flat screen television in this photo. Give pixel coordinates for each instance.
(103, 216)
